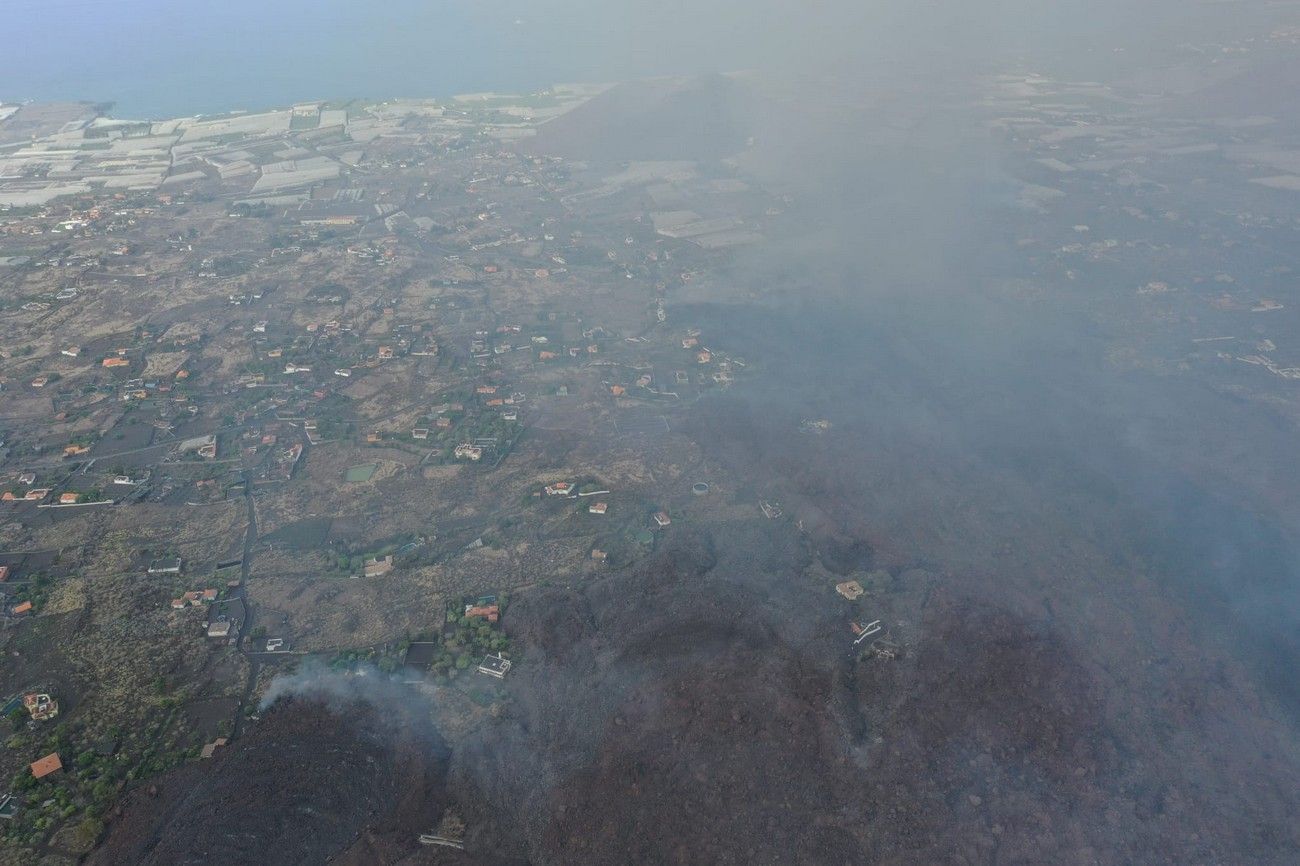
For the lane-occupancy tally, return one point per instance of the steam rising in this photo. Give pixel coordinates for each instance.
(317, 681)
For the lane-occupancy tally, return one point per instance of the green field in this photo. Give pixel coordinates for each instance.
(363, 472)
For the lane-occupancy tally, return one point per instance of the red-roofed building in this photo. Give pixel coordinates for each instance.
(49, 764)
(490, 612)
(41, 707)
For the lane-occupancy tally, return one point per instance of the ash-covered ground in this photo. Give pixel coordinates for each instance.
(322, 778)
(1093, 619)
(701, 710)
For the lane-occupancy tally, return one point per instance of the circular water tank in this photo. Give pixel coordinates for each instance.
(699, 488)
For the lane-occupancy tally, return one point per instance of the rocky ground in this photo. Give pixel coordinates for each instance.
(349, 781)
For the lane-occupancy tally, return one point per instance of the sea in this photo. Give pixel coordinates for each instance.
(165, 58)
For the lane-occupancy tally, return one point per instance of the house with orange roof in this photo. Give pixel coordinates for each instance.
(51, 763)
(194, 597)
(490, 612)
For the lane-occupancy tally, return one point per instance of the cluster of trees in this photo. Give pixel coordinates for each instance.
(252, 209)
(36, 590)
(387, 658)
(464, 647)
(88, 784)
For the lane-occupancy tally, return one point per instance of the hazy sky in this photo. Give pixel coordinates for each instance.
(163, 56)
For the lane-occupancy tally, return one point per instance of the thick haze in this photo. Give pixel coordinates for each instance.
(160, 57)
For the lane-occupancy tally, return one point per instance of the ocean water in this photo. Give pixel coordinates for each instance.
(160, 58)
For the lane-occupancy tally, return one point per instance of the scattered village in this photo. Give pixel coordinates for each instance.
(323, 385)
(337, 384)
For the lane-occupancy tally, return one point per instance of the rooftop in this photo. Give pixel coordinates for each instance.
(51, 763)
(495, 666)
